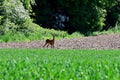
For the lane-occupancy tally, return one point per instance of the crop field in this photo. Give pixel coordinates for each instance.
(53, 64)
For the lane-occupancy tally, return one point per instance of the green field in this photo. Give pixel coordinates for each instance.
(49, 64)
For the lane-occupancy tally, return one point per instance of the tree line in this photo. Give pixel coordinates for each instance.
(84, 16)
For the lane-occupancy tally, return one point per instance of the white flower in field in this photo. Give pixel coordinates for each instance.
(106, 66)
(14, 61)
(62, 70)
(117, 70)
(82, 73)
(70, 79)
(106, 77)
(24, 69)
(86, 77)
(43, 69)
(41, 79)
(27, 59)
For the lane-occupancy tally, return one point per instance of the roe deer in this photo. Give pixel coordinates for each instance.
(50, 42)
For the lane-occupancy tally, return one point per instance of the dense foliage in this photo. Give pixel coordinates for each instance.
(14, 17)
(77, 15)
(85, 16)
(24, 64)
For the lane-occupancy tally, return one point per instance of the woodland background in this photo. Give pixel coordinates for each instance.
(27, 17)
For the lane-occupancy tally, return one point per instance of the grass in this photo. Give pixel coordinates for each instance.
(39, 34)
(49, 64)
(42, 34)
(115, 30)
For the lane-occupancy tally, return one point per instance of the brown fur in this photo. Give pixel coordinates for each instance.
(50, 42)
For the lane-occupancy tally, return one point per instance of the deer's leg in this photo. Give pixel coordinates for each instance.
(45, 44)
(52, 45)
